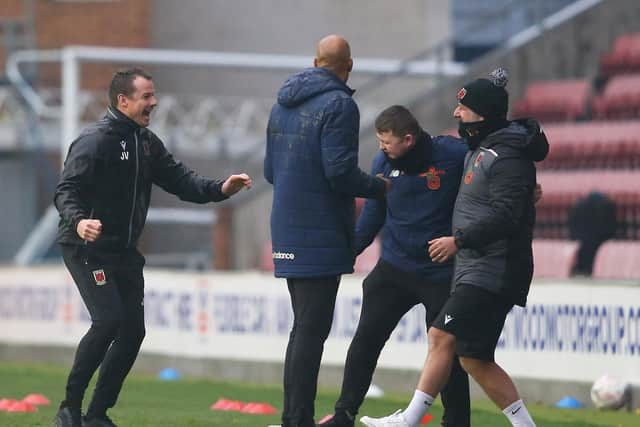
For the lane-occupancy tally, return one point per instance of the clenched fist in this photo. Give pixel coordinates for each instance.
(89, 229)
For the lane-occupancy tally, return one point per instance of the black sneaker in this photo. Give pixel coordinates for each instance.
(68, 417)
(339, 419)
(99, 421)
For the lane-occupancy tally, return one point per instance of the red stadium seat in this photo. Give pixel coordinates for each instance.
(617, 260)
(623, 58)
(562, 189)
(552, 101)
(553, 258)
(368, 258)
(620, 98)
(599, 144)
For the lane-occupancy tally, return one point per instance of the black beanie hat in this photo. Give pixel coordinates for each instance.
(487, 97)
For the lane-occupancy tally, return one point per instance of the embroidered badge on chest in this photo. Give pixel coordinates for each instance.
(468, 177)
(433, 177)
(99, 277)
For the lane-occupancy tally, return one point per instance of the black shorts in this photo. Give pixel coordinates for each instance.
(476, 317)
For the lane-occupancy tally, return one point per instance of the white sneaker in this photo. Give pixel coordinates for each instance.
(394, 420)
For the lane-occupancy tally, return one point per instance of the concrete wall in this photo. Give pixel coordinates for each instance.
(571, 50)
(375, 28)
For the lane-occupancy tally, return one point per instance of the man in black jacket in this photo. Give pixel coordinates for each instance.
(493, 223)
(103, 196)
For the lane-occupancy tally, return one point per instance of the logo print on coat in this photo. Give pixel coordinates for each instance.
(468, 177)
(433, 180)
(462, 93)
(125, 154)
(478, 159)
(99, 277)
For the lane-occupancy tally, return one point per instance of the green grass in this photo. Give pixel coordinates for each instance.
(146, 401)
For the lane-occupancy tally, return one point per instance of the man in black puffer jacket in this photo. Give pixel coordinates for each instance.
(492, 223)
(103, 196)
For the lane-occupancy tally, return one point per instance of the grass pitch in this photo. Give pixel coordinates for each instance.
(146, 401)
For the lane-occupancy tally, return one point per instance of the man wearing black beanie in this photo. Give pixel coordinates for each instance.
(493, 223)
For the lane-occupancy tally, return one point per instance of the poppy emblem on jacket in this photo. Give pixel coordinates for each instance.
(468, 177)
(478, 160)
(99, 277)
(145, 148)
(461, 93)
(433, 178)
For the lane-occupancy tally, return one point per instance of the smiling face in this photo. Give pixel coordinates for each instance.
(140, 103)
(394, 147)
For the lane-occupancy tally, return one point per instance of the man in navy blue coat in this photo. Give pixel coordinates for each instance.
(312, 161)
(425, 174)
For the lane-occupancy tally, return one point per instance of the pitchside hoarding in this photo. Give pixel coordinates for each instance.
(572, 331)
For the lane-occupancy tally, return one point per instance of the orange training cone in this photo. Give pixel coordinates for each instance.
(258, 408)
(5, 403)
(36, 399)
(22, 407)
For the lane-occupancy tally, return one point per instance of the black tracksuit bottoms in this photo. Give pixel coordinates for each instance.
(112, 289)
(389, 293)
(313, 302)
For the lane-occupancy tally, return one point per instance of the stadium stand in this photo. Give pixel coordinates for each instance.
(623, 58)
(596, 144)
(620, 98)
(617, 260)
(554, 258)
(554, 101)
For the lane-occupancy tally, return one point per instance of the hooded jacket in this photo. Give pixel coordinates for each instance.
(108, 174)
(494, 213)
(312, 161)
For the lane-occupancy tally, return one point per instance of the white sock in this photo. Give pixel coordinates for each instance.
(518, 415)
(419, 405)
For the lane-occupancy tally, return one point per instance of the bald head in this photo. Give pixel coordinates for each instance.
(334, 53)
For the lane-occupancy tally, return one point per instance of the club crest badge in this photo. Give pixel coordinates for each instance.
(433, 178)
(99, 277)
(468, 177)
(462, 93)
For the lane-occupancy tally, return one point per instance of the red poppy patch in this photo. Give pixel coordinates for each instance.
(468, 177)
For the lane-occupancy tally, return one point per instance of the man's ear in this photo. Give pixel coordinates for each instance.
(315, 62)
(350, 65)
(409, 139)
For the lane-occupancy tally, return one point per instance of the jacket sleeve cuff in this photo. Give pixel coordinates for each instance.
(216, 188)
(458, 238)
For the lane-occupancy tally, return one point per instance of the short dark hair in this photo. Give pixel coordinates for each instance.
(122, 83)
(398, 120)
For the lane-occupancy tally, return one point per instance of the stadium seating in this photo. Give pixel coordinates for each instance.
(554, 258)
(617, 260)
(623, 58)
(553, 101)
(620, 98)
(597, 144)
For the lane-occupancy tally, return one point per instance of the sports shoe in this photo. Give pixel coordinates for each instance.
(68, 417)
(99, 421)
(394, 420)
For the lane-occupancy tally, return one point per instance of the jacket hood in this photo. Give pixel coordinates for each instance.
(309, 83)
(522, 134)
